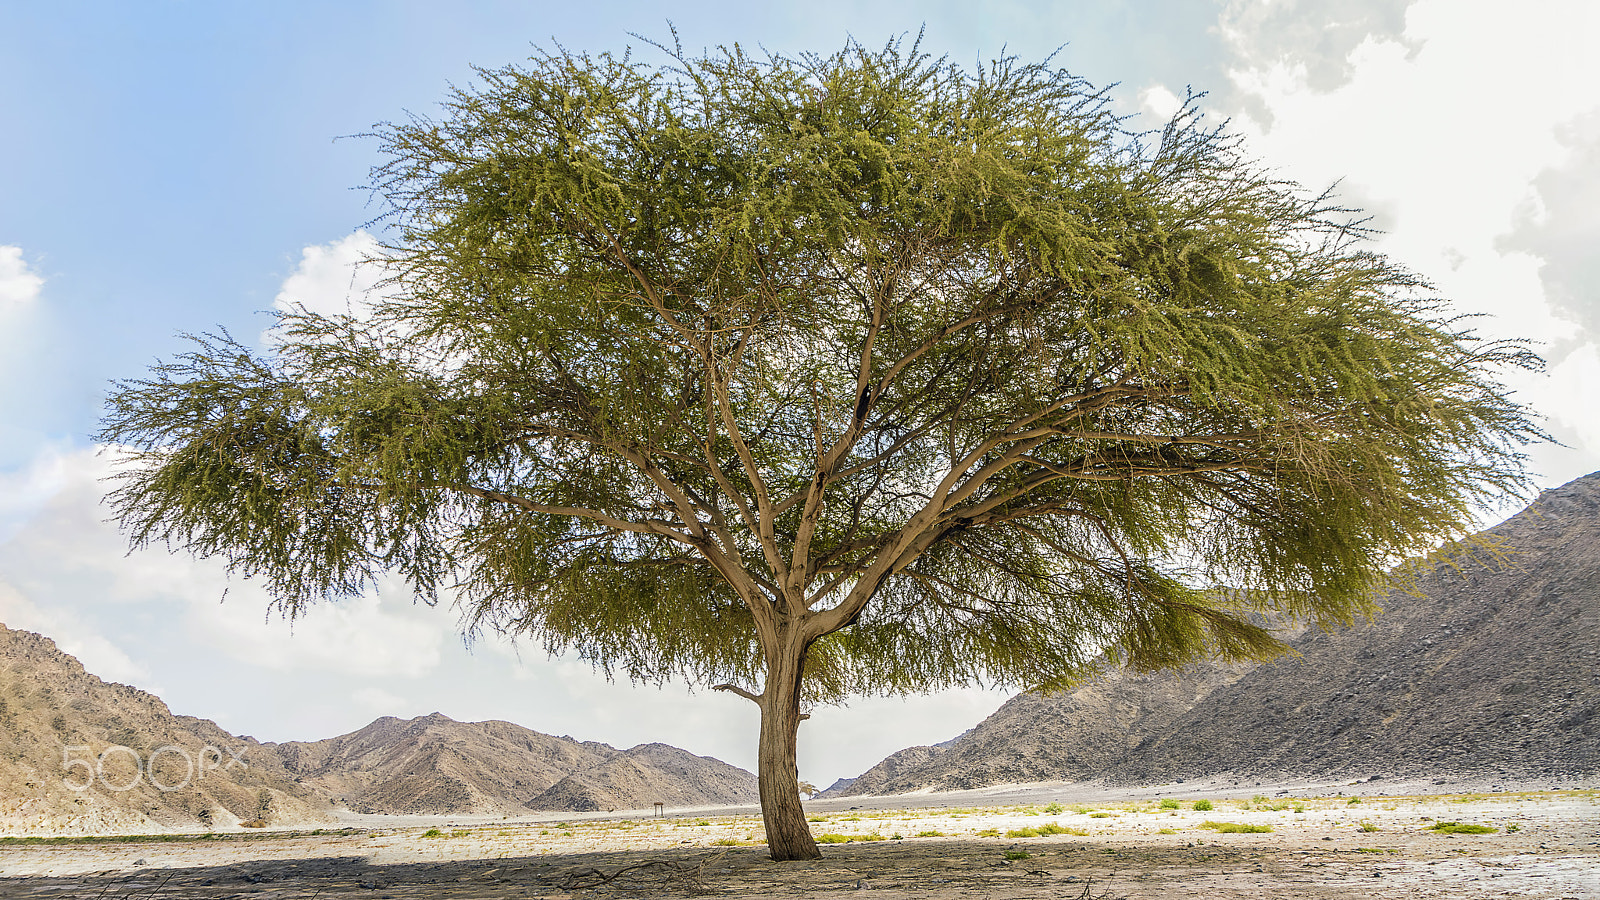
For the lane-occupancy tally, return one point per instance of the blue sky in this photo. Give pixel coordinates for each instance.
(172, 167)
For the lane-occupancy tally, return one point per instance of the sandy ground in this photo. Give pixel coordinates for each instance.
(1109, 843)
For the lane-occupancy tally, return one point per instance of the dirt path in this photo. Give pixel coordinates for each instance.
(1545, 845)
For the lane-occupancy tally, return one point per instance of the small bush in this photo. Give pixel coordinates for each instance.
(1054, 809)
(730, 842)
(433, 833)
(1513, 828)
(814, 819)
(1236, 827)
(989, 832)
(1202, 806)
(1166, 831)
(262, 823)
(1458, 828)
(1017, 854)
(1100, 815)
(1299, 807)
(703, 822)
(1369, 827)
(1169, 804)
(1353, 801)
(1023, 832)
(1052, 828)
(929, 834)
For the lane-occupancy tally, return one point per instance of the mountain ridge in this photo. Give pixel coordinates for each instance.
(1491, 669)
(79, 755)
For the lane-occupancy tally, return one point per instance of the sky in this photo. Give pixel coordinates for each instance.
(181, 167)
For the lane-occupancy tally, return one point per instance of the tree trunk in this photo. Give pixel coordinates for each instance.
(788, 835)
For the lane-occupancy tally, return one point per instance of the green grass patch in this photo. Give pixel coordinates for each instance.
(989, 832)
(929, 834)
(848, 838)
(1166, 831)
(1017, 854)
(1202, 806)
(1169, 804)
(1369, 827)
(1054, 809)
(1236, 827)
(1459, 828)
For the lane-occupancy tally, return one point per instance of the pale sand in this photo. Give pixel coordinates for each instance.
(1319, 851)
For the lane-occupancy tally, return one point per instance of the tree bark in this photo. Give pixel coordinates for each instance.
(788, 835)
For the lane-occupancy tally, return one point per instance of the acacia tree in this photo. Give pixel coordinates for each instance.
(802, 377)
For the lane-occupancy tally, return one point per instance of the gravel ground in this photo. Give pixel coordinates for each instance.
(1109, 844)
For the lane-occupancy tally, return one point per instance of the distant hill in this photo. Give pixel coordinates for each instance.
(62, 728)
(1492, 669)
(58, 725)
(434, 765)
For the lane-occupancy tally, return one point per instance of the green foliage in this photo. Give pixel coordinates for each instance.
(1017, 854)
(1353, 801)
(1236, 827)
(944, 365)
(1459, 828)
(1052, 809)
(1169, 803)
(929, 833)
(1369, 827)
(1202, 805)
(988, 832)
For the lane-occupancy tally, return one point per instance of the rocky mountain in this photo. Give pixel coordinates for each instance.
(434, 765)
(1491, 669)
(79, 755)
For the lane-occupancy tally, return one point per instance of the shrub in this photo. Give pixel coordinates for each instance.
(989, 832)
(433, 833)
(1369, 827)
(1458, 828)
(1052, 828)
(1017, 854)
(708, 822)
(812, 819)
(730, 842)
(1054, 809)
(1513, 828)
(1236, 827)
(1166, 831)
(262, 823)
(929, 834)
(1353, 801)
(1202, 805)
(1023, 832)
(1169, 804)
(1100, 815)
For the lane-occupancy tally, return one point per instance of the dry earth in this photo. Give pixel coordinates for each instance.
(1546, 845)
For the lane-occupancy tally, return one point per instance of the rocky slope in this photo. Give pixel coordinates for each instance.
(81, 756)
(1491, 669)
(434, 765)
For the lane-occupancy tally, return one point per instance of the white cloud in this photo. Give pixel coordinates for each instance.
(338, 278)
(99, 655)
(19, 285)
(1159, 102)
(1446, 130)
(62, 553)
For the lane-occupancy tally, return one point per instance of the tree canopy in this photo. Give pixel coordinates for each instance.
(861, 372)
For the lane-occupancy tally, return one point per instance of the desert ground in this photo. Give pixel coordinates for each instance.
(1060, 841)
